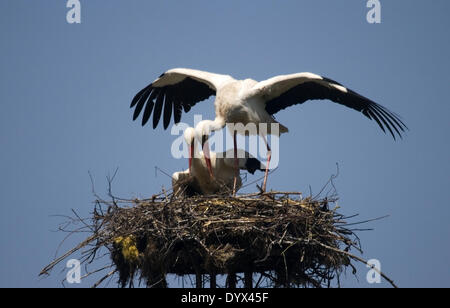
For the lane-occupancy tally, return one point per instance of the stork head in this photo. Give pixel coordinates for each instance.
(252, 164)
(202, 132)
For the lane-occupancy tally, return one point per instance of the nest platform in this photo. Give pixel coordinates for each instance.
(274, 239)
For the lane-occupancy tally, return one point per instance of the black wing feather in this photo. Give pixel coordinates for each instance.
(376, 116)
(177, 111)
(149, 107)
(158, 109)
(138, 96)
(385, 120)
(140, 103)
(167, 110)
(318, 90)
(180, 96)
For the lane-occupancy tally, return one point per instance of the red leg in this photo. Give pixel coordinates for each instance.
(269, 156)
(236, 163)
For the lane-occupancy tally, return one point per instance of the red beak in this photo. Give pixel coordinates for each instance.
(208, 159)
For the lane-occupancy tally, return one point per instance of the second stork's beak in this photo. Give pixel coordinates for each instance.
(206, 153)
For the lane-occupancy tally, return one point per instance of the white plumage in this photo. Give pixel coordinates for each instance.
(248, 101)
(198, 180)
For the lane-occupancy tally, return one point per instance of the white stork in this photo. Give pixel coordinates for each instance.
(218, 177)
(248, 101)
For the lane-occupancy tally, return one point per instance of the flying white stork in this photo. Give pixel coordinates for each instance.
(248, 101)
(197, 180)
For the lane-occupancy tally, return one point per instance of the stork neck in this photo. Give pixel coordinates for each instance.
(217, 124)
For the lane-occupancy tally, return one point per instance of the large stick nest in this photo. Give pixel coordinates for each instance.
(288, 240)
(282, 238)
(298, 240)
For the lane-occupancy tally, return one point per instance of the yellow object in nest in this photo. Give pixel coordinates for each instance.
(128, 245)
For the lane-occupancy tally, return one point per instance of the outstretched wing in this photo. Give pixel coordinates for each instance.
(283, 91)
(174, 91)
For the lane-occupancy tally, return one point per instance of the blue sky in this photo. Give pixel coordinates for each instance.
(65, 91)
